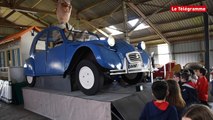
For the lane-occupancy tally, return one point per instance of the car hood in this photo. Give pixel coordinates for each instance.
(120, 45)
(123, 47)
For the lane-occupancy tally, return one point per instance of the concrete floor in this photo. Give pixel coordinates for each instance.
(17, 112)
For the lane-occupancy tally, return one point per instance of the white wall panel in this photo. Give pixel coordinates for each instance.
(26, 42)
(183, 57)
(154, 49)
(185, 47)
(186, 58)
(156, 57)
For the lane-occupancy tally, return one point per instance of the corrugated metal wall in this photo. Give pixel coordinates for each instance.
(190, 52)
(187, 52)
(186, 47)
(186, 58)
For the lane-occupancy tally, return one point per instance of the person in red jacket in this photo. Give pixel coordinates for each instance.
(188, 88)
(202, 86)
(159, 109)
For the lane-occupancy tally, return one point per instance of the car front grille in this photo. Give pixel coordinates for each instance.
(134, 57)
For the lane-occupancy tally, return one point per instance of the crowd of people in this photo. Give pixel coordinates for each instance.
(184, 97)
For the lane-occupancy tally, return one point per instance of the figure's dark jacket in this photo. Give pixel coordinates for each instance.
(189, 93)
(155, 112)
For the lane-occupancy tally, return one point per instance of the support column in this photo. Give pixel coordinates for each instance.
(171, 51)
(125, 22)
(206, 29)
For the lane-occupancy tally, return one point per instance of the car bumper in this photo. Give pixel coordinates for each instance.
(131, 68)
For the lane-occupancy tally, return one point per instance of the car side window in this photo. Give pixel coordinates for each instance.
(40, 45)
(55, 39)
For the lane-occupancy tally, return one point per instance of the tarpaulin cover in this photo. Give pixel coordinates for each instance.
(5, 91)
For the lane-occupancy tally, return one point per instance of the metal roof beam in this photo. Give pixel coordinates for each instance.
(9, 14)
(9, 3)
(19, 2)
(28, 9)
(97, 3)
(135, 40)
(135, 8)
(5, 2)
(186, 28)
(163, 10)
(180, 19)
(36, 19)
(144, 38)
(35, 10)
(110, 14)
(144, 19)
(185, 37)
(5, 21)
(175, 21)
(193, 36)
(6, 25)
(156, 42)
(140, 2)
(91, 6)
(38, 2)
(152, 5)
(190, 39)
(99, 30)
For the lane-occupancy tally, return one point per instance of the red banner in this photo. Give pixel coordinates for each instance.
(188, 9)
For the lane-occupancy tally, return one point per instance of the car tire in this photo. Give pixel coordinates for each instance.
(31, 81)
(89, 78)
(132, 78)
(74, 85)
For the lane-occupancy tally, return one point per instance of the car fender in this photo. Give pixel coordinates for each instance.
(104, 56)
(29, 67)
(145, 57)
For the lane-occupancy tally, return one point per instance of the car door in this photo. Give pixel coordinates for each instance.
(55, 53)
(40, 54)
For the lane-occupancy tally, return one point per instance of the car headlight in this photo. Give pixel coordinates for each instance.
(111, 41)
(25, 65)
(142, 45)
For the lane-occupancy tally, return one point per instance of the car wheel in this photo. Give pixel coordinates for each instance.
(30, 81)
(132, 78)
(88, 77)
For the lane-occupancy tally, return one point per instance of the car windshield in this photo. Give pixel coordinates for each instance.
(81, 35)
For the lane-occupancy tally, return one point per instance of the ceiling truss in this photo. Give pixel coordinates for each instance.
(15, 5)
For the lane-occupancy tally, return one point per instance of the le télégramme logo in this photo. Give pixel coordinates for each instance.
(188, 9)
